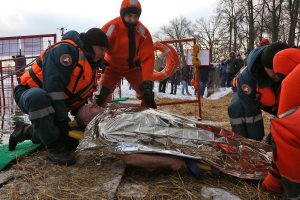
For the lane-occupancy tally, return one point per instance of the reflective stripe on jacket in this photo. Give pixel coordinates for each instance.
(118, 52)
(82, 81)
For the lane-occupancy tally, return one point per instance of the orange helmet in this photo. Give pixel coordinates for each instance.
(130, 6)
(286, 60)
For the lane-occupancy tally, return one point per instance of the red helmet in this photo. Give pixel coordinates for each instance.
(286, 60)
(130, 6)
(264, 42)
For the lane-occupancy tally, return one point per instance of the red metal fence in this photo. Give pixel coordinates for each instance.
(17, 53)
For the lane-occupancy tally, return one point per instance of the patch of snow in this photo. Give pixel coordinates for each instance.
(221, 92)
(217, 194)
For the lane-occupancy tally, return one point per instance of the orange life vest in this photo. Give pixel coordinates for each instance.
(266, 96)
(82, 82)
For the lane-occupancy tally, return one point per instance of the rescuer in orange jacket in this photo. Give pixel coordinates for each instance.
(284, 172)
(130, 56)
(60, 80)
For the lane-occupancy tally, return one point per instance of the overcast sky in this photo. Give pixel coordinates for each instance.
(26, 17)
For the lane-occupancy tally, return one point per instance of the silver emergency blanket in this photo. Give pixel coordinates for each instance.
(136, 130)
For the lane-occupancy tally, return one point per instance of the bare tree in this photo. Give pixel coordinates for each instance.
(293, 8)
(206, 33)
(250, 12)
(178, 28)
(275, 9)
(237, 24)
(226, 11)
(262, 21)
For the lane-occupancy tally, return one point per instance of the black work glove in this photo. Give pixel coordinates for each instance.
(100, 99)
(103, 65)
(64, 127)
(147, 94)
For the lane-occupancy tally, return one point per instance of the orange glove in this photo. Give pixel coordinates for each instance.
(272, 184)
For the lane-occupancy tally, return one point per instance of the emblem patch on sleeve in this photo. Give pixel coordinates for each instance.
(246, 89)
(65, 60)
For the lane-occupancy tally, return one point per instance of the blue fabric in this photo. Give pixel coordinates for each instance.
(193, 168)
(185, 87)
(202, 87)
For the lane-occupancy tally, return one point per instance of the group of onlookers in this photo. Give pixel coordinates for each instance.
(226, 70)
(182, 76)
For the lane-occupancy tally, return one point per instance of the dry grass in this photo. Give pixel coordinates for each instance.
(37, 178)
(164, 184)
(212, 110)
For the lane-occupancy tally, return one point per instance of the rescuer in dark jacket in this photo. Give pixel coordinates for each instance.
(257, 88)
(63, 77)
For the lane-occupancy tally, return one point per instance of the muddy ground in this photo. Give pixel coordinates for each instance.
(98, 175)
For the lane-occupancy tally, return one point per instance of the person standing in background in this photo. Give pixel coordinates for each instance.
(162, 83)
(185, 78)
(231, 68)
(174, 81)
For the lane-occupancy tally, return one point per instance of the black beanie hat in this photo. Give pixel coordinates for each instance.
(97, 37)
(269, 53)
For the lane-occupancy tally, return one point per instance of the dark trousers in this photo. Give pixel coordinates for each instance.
(229, 77)
(223, 79)
(162, 86)
(173, 87)
(37, 104)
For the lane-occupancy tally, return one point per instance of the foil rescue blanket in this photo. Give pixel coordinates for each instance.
(136, 130)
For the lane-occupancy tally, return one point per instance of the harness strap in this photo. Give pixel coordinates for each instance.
(35, 78)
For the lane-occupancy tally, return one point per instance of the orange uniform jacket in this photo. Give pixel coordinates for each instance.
(117, 55)
(285, 129)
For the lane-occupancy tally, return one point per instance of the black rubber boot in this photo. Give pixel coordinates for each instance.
(71, 144)
(22, 131)
(60, 154)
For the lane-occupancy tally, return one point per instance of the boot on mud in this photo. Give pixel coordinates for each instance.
(60, 154)
(22, 131)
